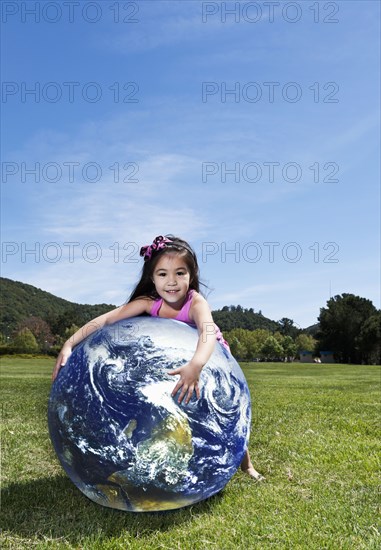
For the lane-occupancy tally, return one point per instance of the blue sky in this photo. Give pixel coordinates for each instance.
(254, 135)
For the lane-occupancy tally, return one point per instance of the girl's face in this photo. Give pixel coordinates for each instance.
(171, 278)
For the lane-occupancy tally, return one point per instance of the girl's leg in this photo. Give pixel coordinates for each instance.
(248, 468)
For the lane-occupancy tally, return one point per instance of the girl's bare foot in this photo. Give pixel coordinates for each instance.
(248, 468)
(252, 472)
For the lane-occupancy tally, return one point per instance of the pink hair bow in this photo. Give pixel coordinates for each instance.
(159, 243)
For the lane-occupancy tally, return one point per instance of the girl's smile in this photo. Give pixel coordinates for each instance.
(171, 279)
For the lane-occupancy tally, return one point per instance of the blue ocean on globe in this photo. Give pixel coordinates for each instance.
(123, 439)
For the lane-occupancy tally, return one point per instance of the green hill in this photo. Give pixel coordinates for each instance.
(20, 300)
(312, 330)
(232, 317)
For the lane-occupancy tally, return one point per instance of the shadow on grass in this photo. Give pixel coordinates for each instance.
(54, 508)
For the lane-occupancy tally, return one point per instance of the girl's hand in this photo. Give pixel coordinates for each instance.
(61, 359)
(189, 375)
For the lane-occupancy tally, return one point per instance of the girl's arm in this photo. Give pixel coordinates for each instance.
(189, 373)
(132, 309)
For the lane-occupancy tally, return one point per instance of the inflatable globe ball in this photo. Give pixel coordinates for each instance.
(123, 439)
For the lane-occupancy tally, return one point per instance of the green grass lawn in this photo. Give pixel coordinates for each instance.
(315, 436)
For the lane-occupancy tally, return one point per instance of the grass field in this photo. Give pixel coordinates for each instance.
(315, 436)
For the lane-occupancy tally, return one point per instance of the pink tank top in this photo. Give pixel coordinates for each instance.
(183, 315)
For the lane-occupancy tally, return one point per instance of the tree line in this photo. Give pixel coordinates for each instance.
(349, 326)
(264, 345)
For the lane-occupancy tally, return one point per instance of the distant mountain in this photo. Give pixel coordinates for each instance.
(20, 300)
(232, 317)
(312, 330)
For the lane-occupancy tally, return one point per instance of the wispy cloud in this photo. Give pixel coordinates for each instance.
(161, 24)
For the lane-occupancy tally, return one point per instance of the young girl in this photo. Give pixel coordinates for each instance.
(169, 287)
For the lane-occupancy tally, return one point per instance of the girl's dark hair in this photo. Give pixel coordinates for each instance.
(145, 286)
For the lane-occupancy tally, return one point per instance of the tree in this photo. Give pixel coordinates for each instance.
(260, 336)
(25, 342)
(238, 349)
(40, 330)
(4, 344)
(341, 323)
(289, 348)
(271, 349)
(368, 342)
(287, 327)
(305, 342)
(241, 343)
(247, 344)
